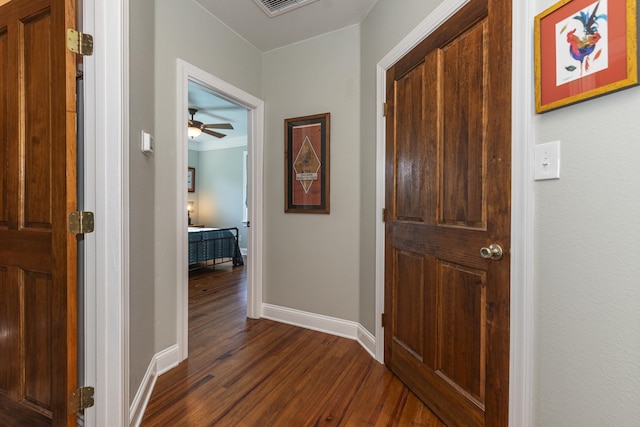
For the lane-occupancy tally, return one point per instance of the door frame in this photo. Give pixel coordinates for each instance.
(522, 198)
(106, 183)
(255, 144)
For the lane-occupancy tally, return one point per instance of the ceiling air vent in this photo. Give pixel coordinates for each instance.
(276, 7)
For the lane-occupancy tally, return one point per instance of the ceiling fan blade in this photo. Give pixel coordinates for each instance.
(213, 133)
(218, 126)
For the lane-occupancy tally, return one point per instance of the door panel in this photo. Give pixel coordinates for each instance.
(461, 328)
(10, 319)
(4, 171)
(463, 62)
(38, 256)
(409, 301)
(37, 118)
(37, 339)
(447, 196)
(410, 204)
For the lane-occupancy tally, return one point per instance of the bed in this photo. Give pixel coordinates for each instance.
(211, 246)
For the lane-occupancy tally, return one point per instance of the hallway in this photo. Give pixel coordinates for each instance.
(246, 372)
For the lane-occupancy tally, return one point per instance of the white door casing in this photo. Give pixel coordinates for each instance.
(106, 272)
(255, 107)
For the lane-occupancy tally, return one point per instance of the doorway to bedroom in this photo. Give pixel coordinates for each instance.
(217, 174)
(222, 129)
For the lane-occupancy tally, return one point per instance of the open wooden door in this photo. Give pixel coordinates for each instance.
(448, 189)
(38, 255)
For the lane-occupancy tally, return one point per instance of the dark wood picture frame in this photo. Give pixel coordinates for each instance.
(191, 179)
(584, 49)
(306, 150)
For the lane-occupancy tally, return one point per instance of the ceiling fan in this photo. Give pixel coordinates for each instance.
(195, 128)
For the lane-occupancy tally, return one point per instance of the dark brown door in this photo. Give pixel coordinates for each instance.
(448, 195)
(38, 272)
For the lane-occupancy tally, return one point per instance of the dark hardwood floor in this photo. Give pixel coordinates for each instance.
(245, 372)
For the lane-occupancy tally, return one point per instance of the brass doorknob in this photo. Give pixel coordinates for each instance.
(493, 252)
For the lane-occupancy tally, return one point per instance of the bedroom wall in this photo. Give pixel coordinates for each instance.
(141, 193)
(587, 265)
(220, 192)
(311, 261)
(194, 162)
(384, 27)
(185, 30)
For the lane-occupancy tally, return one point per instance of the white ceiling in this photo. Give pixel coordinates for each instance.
(247, 19)
(265, 33)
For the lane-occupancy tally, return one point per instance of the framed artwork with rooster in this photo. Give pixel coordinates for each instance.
(584, 49)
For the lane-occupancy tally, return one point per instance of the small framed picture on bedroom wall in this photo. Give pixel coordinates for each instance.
(306, 150)
(191, 180)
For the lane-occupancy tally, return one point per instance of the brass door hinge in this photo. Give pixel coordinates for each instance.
(383, 319)
(81, 222)
(81, 399)
(384, 214)
(385, 109)
(79, 43)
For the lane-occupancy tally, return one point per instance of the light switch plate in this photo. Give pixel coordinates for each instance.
(547, 159)
(147, 143)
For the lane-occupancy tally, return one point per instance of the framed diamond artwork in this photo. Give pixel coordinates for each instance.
(306, 149)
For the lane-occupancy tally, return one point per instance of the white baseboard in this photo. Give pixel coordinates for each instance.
(167, 359)
(321, 323)
(139, 404)
(160, 363)
(367, 340)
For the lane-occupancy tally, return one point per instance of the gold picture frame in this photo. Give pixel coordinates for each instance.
(584, 49)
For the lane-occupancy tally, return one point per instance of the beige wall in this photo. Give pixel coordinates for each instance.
(141, 193)
(301, 79)
(587, 265)
(311, 260)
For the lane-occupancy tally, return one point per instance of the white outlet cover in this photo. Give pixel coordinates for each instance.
(547, 161)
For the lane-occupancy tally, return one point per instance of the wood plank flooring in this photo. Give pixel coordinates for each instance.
(246, 372)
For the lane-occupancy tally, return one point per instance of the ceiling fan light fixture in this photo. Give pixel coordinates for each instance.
(195, 127)
(193, 132)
